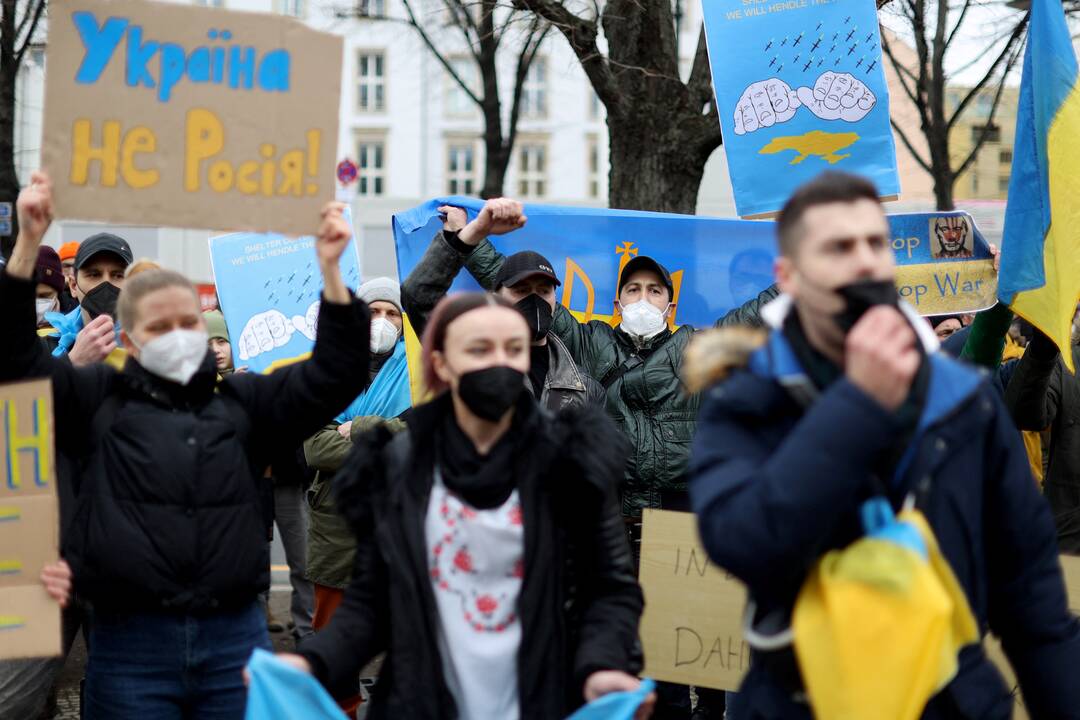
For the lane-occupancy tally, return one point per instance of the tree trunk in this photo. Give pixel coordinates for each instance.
(496, 160)
(650, 168)
(943, 191)
(9, 179)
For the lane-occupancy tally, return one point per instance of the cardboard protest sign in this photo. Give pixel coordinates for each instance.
(269, 287)
(799, 89)
(692, 625)
(167, 114)
(29, 521)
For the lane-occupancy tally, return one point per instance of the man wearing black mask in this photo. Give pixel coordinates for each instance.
(88, 333)
(845, 400)
(527, 279)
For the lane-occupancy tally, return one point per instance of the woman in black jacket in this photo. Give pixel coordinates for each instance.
(492, 566)
(167, 542)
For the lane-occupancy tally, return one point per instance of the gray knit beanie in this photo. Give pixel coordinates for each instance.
(381, 288)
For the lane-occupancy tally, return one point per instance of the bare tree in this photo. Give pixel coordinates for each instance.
(19, 21)
(489, 31)
(935, 27)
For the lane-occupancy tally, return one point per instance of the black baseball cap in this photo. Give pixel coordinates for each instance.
(644, 262)
(103, 242)
(521, 265)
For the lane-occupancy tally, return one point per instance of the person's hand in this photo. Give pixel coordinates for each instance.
(35, 210)
(456, 218)
(602, 682)
(94, 342)
(292, 659)
(56, 577)
(764, 104)
(881, 356)
(498, 217)
(838, 96)
(345, 430)
(334, 234)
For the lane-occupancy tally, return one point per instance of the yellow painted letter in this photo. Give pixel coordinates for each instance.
(205, 137)
(138, 140)
(82, 153)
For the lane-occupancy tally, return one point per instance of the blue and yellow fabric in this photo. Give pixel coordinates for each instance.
(388, 395)
(879, 625)
(67, 327)
(1040, 255)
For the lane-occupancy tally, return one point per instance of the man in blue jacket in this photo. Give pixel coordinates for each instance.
(846, 399)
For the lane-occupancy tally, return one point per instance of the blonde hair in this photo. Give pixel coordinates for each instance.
(140, 266)
(147, 281)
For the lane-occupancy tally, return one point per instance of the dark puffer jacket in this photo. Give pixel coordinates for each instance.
(645, 395)
(579, 603)
(168, 516)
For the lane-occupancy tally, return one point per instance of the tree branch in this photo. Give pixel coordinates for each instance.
(36, 18)
(914, 93)
(959, 22)
(989, 120)
(439, 56)
(911, 148)
(700, 81)
(537, 34)
(1017, 34)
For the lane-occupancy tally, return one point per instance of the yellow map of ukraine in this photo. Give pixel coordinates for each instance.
(816, 142)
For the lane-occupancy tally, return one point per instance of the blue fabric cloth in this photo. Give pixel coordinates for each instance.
(616, 705)
(775, 484)
(171, 667)
(279, 691)
(388, 395)
(67, 326)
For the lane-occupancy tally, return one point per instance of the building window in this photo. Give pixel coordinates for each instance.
(593, 176)
(371, 8)
(461, 168)
(371, 161)
(993, 133)
(532, 170)
(210, 3)
(1005, 157)
(370, 82)
(1003, 184)
(458, 102)
(292, 8)
(534, 90)
(974, 184)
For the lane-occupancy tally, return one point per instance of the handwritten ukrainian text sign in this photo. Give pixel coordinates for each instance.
(29, 521)
(166, 114)
(692, 625)
(800, 89)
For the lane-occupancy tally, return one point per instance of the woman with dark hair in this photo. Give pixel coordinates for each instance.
(492, 566)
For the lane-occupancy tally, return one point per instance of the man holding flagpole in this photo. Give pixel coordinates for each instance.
(1040, 257)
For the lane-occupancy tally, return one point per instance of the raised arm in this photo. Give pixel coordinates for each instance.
(432, 277)
(1034, 392)
(749, 313)
(290, 404)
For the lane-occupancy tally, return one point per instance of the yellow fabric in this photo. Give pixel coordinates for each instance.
(413, 354)
(878, 629)
(1051, 307)
(1032, 438)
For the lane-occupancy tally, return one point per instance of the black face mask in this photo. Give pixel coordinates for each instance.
(537, 313)
(862, 295)
(101, 300)
(490, 392)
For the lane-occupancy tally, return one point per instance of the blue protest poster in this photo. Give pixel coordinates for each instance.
(943, 262)
(800, 88)
(269, 287)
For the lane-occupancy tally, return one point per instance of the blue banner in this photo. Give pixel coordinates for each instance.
(799, 88)
(944, 264)
(269, 288)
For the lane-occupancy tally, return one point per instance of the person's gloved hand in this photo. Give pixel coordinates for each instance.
(764, 104)
(838, 96)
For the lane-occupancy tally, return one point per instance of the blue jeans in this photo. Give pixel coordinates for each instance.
(171, 667)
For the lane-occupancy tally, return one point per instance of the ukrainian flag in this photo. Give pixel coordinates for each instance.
(1040, 255)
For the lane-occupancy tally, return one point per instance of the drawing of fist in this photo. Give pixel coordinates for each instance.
(264, 332)
(308, 323)
(764, 104)
(838, 96)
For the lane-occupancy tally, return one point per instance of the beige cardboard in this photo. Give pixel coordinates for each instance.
(29, 532)
(269, 151)
(29, 623)
(692, 625)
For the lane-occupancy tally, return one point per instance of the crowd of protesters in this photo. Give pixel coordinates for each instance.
(486, 542)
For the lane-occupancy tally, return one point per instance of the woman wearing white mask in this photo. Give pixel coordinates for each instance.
(50, 283)
(168, 541)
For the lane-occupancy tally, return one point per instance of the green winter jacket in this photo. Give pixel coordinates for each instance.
(645, 395)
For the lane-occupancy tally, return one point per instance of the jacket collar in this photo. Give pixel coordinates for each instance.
(164, 392)
(950, 383)
(563, 373)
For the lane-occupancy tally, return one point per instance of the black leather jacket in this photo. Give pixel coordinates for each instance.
(579, 603)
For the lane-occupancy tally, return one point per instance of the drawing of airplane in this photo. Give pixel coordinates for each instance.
(837, 62)
(818, 27)
(780, 68)
(861, 58)
(783, 42)
(808, 64)
(835, 35)
(832, 48)
(797, 58)
(770, 44)
(815, 46)
(849, 35)
(847, 19)
(869, 37)
(773, 61)
(871, 66)
(852, 49)
(797, 40)
(819, 62)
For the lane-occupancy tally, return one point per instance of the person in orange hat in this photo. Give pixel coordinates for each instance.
(67, 257)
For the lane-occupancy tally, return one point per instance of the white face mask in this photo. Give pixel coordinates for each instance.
(642, 319)
(176, 355)
(45, 305)
(383, 335)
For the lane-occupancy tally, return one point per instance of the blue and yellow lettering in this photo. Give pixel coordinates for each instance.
(36, 443)
(172, 69)
(198, 65)
(241, 71)
(218, 65)
(98, 42)
(274, 71)
(138, 55)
